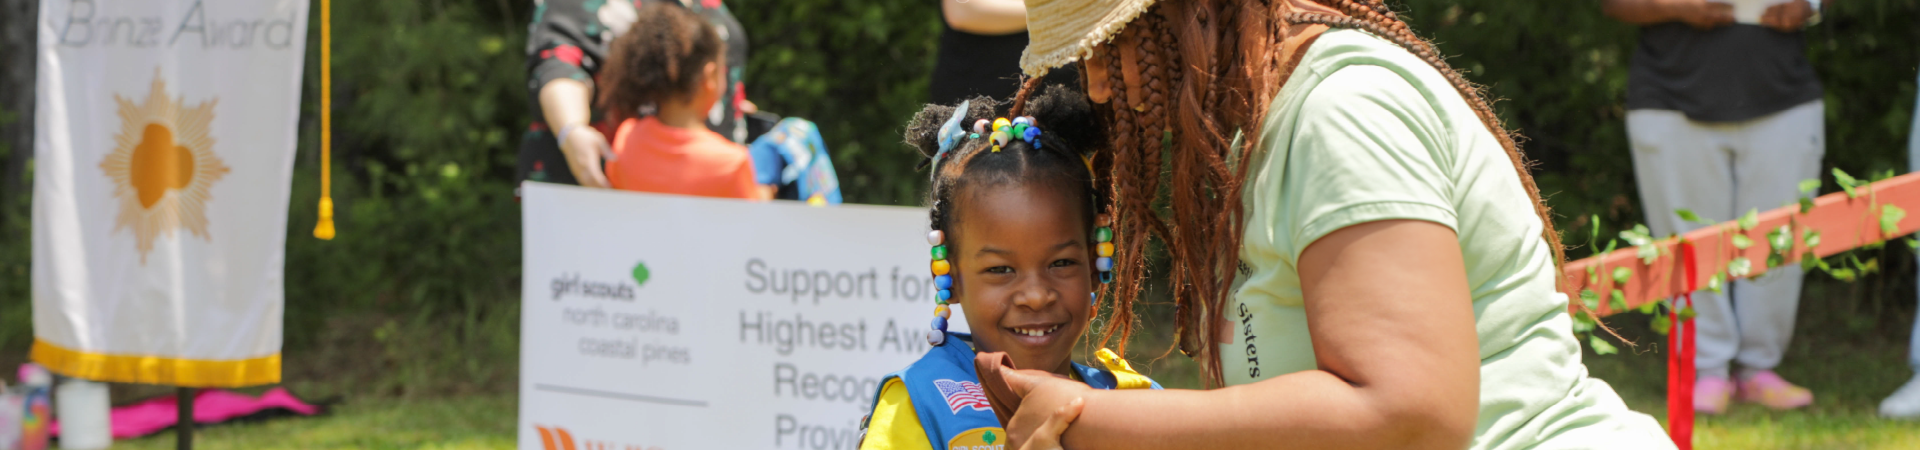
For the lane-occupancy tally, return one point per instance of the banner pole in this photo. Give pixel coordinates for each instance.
(183, 428)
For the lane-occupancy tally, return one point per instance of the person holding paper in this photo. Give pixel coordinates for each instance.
(1725, 116)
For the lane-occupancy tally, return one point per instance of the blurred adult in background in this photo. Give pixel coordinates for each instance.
(566, 47)
(1724, 116)
(1905, 403)
(980, 44)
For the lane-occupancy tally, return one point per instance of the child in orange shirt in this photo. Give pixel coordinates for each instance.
(672, 61)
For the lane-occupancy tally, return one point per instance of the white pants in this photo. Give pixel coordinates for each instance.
(1913, 164)
(1720, 170)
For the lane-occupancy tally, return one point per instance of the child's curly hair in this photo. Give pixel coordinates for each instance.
(660, 58)
(1070, 133)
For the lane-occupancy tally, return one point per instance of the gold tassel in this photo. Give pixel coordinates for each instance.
(324, 229)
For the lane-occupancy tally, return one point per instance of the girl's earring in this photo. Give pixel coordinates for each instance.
(943, 280)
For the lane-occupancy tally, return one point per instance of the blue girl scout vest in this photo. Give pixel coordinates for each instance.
(952, 407)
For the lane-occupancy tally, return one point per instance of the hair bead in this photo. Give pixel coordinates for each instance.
(1106, 249)
(941, 267)
(1105, 264)
(944, 281)
(936, 237)
(939, 252)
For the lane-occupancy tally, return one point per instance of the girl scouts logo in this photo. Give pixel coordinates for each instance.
(162, 166)
(979, 439)
(963, 394)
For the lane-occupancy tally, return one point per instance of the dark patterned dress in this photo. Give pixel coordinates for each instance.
(569, 38)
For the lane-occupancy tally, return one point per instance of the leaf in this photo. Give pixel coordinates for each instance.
(1739, 267)
(1596, 230)
(1890, 216)
(1637, 236)
(1601, 346)
(1811, 238)
(1593, 275)
(1752, 219)
(1809, 259)
(1741, 241)
(1688, 215)
(1618, 302)
(1582, 323)
(1686, 314)
(1590, 299)
(1621, 275)
(1806, 204)
(1841, 273)
(1717, 282)
(1775, 260)
(1781, 239)
(1847, 182)
(1648, 307)
(1647, 253)
(1661, 324)
(1809, 186)
(1913, 243)
(1870, 267)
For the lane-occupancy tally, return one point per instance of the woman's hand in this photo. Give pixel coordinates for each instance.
(1787, 17)
(1047, 437)
(1048, 403)
(584, 147)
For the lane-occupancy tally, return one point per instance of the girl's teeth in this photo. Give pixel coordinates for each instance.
(1036, 333)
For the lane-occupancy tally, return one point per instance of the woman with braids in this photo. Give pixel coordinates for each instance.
(1359, 255)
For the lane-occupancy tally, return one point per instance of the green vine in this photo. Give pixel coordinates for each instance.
(1846, 266)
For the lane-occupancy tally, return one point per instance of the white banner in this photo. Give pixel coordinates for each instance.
(164, 149)
(667, 322)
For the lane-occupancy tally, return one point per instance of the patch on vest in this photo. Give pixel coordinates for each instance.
(979, 439)
(963, 394)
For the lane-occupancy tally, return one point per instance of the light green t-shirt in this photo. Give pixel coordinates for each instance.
(1365, 131)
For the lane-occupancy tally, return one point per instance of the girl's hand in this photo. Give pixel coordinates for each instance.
(1048, 404)
(1787, 17)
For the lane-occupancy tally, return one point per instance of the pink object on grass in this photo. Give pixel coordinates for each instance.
(209, 406)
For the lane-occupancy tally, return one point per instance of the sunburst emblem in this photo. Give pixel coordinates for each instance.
(163, 166)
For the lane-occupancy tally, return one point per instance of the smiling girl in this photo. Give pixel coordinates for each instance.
(1018, 242)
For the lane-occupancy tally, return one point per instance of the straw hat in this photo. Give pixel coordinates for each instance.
(1064, 31)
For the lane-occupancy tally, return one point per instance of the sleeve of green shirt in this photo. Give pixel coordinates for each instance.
(1367, 146)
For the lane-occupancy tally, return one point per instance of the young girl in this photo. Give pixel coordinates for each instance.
(1017, 241)
(672, 62)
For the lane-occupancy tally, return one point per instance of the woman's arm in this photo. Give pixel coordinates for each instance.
(565, 103)
(1393, 330)
(985, 17)
(1700, 14)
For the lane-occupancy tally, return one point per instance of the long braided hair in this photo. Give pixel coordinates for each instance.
(1185, 75)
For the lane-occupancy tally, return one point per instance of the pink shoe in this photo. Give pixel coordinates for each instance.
(1711, 394)
(1767, 388)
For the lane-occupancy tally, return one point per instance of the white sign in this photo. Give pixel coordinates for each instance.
(668, 322)
(163, 151)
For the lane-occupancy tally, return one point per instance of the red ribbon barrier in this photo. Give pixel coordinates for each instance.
(1680, 370)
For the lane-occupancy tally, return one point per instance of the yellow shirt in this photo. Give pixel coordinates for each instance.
(895, 426)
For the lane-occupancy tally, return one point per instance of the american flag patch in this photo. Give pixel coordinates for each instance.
(962, 394)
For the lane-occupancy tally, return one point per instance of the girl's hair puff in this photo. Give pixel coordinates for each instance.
(659, 59)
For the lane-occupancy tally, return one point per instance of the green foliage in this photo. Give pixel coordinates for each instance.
(427, 99)
(859, 69)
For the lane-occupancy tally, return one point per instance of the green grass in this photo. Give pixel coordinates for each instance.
(404, 389)
(472, 422)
